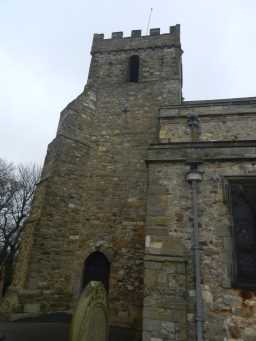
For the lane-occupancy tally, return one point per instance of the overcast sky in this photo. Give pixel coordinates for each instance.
(45, 55)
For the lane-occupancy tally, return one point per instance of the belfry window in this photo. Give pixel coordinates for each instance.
(243, 205)
(134, 66)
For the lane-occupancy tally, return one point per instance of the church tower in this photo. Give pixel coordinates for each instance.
(145, 211)
(89, 212)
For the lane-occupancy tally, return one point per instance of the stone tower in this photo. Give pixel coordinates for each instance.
(91, 199)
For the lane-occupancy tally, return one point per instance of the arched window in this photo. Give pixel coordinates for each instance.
(96, 268)
(134, 65)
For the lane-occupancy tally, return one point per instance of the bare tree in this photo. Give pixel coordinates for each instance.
(17, 187)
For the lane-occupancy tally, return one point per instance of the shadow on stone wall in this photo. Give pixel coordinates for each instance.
(124, 334)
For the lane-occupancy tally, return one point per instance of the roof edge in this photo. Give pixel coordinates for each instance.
(211, 102)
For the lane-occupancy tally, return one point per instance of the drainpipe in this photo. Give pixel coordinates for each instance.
(194, 177)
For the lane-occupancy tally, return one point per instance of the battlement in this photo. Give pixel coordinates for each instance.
(136, 40)
(137, 33)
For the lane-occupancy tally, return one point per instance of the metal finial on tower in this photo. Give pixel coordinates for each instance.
(149, 20)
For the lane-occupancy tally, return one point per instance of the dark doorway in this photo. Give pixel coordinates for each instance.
(96, 268)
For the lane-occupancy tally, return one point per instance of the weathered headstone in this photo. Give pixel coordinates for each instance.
(90, 321)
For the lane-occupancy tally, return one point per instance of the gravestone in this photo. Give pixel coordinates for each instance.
(90, 321)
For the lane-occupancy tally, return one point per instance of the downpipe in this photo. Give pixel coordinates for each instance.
(194, 177)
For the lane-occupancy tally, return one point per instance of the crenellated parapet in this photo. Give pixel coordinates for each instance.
(136, 40)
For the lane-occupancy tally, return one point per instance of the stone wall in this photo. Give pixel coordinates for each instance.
(220, 120)
(229, 314)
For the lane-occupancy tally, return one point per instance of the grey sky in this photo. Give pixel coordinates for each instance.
(45, 45)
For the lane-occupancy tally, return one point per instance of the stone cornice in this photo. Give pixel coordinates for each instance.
(172, 116)
(202, 151)
(214, 102)
(111, 50)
